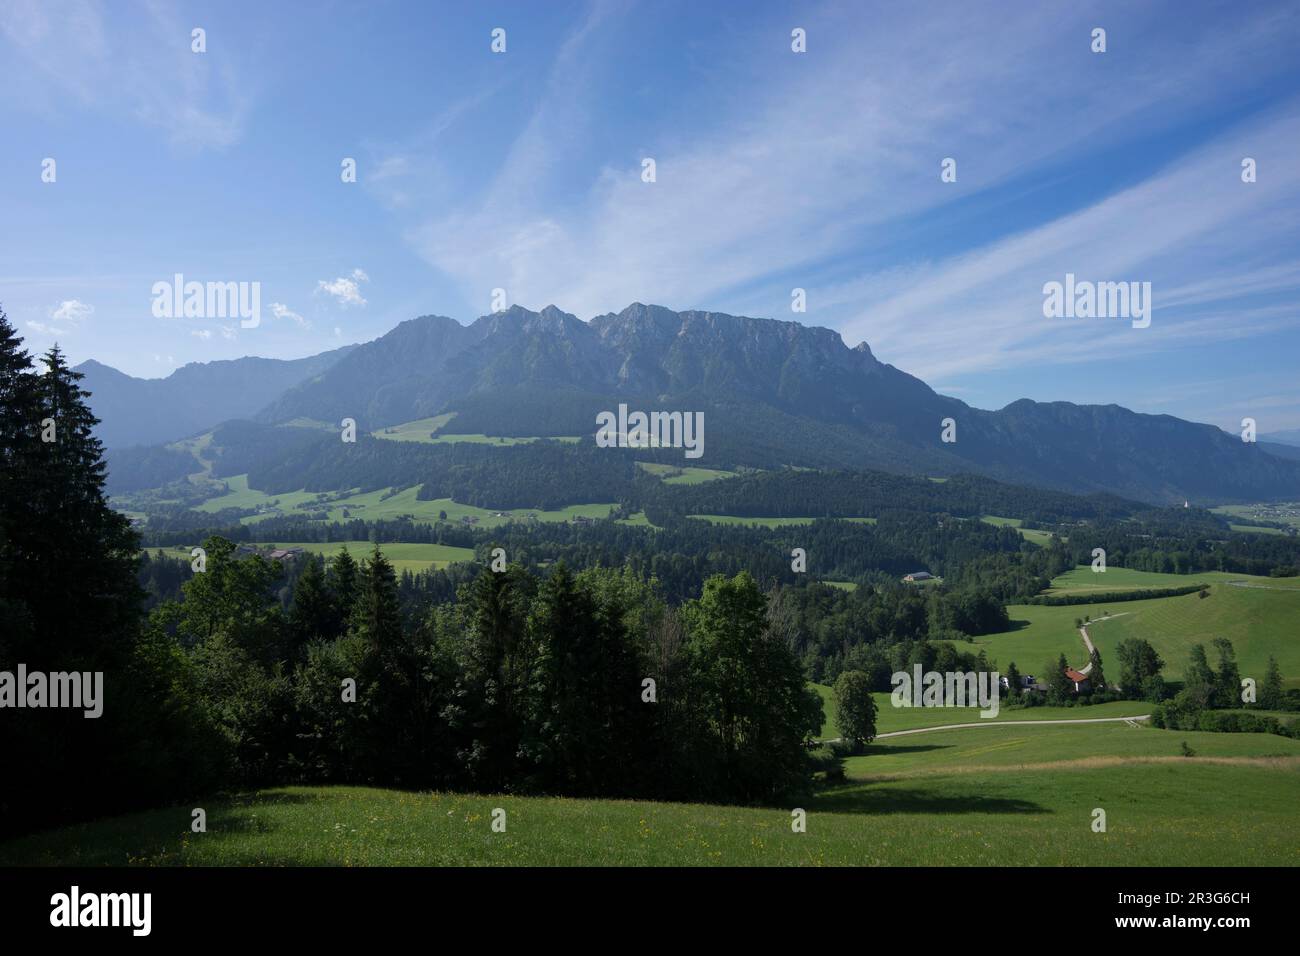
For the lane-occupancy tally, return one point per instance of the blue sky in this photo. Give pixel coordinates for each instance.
(775, 170)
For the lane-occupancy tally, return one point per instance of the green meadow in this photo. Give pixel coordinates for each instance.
(683, 474)
(890, 719)
(1261, 619)
(402, 555)
(770, 522)
(427, 431)
(383, 504)
(1287, 513)
(1084, 580)
(964, 798)
(1032, 535)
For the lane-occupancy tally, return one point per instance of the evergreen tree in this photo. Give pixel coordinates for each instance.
(343, 581)
(1013, 681)
(314, 615)
(1227, 683)
(376, 612)
(1198, 680)
(1096, 677)
(1270, 693)
(569, 702)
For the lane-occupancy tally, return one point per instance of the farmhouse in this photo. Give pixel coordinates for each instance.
(1080, 681)
(285, 554)
(917, 576)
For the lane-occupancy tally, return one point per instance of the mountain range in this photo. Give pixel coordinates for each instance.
(774, 393)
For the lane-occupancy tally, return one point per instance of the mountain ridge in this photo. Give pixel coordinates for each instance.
(777, 392)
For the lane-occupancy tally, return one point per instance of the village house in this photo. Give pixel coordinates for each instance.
(917, 576)
(1080, 681)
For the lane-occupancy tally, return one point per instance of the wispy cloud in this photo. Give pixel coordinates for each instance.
(141, 68)
(281, 311)
(65, 318)
(345, 290)
(837, 152)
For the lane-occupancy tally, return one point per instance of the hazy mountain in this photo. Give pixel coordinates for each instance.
(145, 411)
(774, 393)
(1290, 436)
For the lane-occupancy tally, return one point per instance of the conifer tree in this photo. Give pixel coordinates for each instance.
(314, 615)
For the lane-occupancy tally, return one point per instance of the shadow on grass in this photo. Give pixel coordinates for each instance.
(149, 836)
(874, 800)
(894, 749)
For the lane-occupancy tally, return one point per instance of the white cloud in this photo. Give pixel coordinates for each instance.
(346, 290)
(282, 311)
(203, 334)
(71, 311)
(68, 314)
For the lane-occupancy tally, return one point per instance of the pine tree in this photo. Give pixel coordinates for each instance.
(1227, 683)
(1013, 680)
(1270, 694)
(18, 419)
(376, 612)
(1198, 679)
(78, 556)
(343, 577)
(314, 615)
(1095, 675)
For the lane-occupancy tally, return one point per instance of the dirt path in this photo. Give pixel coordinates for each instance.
(1015, 723)
(1087, 641)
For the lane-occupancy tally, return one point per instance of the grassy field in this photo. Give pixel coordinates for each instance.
(684, 474)
(890, 718)
(379, 505)
(1032, 535)
(770, 522)
(1282, 512)
(242, 496)
(1260, 620)
(1004, 745)
(426, 431)
(976, 798)
(1085, 580)
(403, 555)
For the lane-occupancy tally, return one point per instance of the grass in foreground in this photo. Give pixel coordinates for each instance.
(1179, 811)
